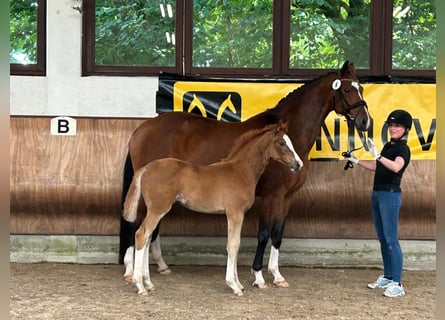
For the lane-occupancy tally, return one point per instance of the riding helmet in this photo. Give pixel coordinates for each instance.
(401, 117)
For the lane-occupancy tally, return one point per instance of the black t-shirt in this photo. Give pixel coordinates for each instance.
(385, 179)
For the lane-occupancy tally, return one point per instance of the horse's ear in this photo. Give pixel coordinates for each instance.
(344, 68)
(351, 68)
(282, 125)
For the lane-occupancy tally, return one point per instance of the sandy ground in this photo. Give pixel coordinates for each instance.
(69, 291)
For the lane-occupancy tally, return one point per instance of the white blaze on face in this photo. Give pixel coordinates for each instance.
(357, 86)
(291, 147)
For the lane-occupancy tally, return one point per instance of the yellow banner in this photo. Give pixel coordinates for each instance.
(418, 99)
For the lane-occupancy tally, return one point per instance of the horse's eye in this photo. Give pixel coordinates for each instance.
(347, 90)
(282, 143)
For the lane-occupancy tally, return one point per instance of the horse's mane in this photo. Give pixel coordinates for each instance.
(247, 137)
(305, 86)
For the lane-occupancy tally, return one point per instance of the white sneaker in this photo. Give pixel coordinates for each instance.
(394, 290)
(381, 282)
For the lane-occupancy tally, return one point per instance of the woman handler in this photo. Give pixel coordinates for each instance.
(389, 166)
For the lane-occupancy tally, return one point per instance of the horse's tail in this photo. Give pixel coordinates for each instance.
(128, 177)
(133, 196)
(127, 229)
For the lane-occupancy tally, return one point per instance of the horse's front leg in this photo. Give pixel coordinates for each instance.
(264, 230)
(234, 224)
(277, 237)
(271, 217)
(278, 279)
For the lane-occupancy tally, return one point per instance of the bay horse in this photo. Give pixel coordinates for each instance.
(202, 140)
(224, 187)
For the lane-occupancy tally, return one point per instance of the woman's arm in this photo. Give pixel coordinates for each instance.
(368, 164)
(395, 165)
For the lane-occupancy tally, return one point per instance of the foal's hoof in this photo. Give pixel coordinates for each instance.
(238, 293)
(262, 285)
(165, 272)
(143, 293)
(128, 278)
(281, 284)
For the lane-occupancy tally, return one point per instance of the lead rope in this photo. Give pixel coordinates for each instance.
(347, 154)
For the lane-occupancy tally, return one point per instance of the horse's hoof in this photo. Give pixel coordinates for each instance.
(239, 293)
(165, 272)
(260, 285)
(281, 284)
(128, 278)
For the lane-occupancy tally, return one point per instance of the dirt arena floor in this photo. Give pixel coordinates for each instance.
(69, 291)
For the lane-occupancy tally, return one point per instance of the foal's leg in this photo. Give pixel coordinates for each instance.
(145, 268)
(139, 256)
(141, 274)
(156, 253)
(155, 212)
(234, 226)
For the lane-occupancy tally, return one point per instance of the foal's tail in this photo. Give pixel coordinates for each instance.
(133, 196)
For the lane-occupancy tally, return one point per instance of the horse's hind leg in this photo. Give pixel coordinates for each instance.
(129, 263)
(127, 236)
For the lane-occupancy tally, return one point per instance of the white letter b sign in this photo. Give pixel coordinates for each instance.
(63, 126)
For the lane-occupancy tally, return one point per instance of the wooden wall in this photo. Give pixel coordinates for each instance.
(72, 185)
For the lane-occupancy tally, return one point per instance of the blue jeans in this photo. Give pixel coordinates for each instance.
(385, 207)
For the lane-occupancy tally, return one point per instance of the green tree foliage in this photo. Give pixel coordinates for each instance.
(239, 33)
(326, 33)
(23, 31)
(232, 33)
(131, 33)
(414, 35)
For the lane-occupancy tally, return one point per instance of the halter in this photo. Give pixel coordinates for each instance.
(336, 85)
